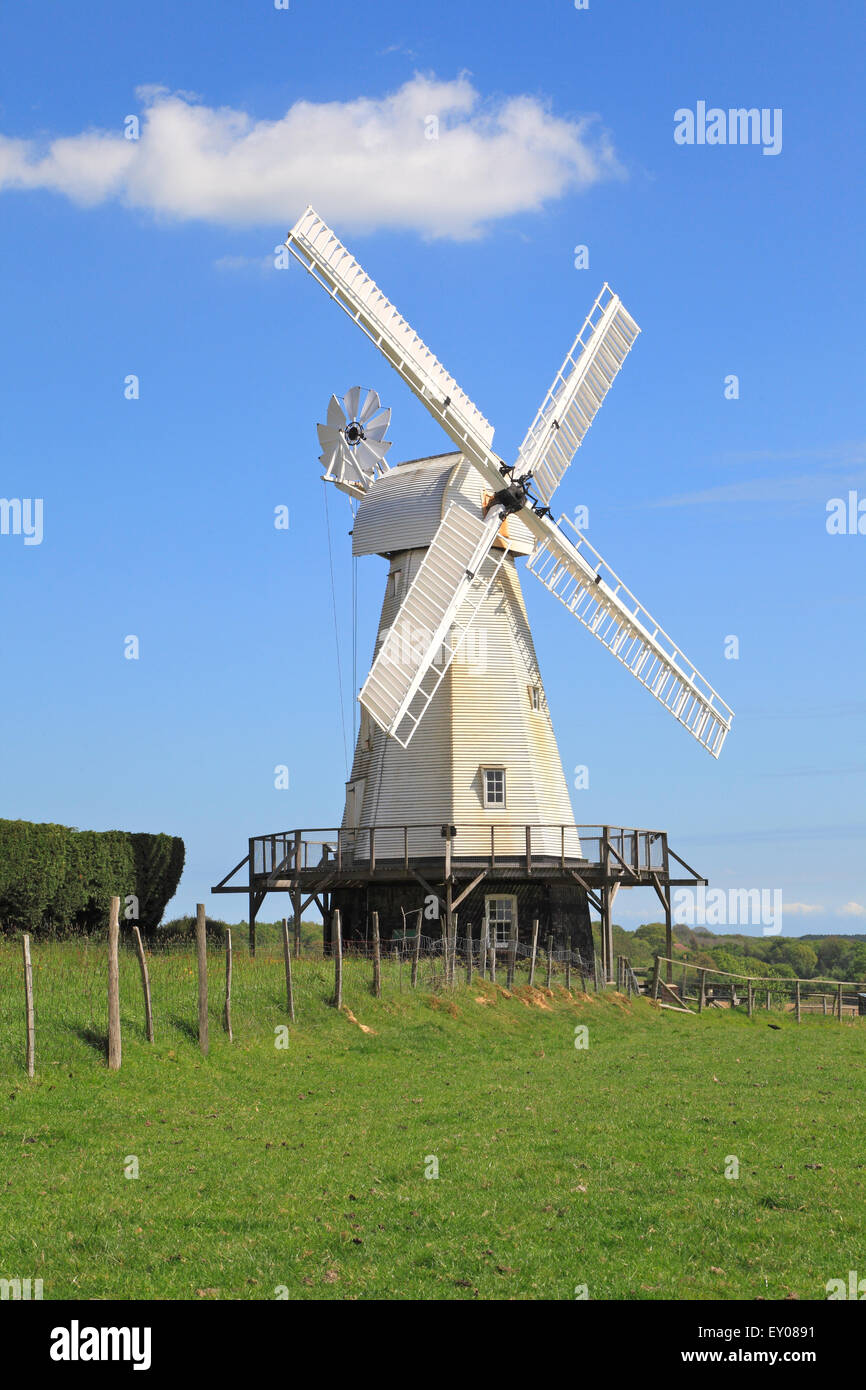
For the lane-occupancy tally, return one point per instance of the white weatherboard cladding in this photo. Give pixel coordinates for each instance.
(406, 786)
(495, 726)
(481, 715)
(404, 507)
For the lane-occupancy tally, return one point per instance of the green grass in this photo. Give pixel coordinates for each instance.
(305, 1167)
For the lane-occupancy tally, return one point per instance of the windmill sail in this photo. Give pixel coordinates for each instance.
(397, 691)
(424, 637)
(578, 390)
(572, 571)
(320, 252)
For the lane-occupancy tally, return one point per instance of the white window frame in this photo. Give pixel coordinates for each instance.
(394, 583)
(494, 805)
(499, 933)
(535, 698)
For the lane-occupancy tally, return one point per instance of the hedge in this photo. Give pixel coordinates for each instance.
(54, 879)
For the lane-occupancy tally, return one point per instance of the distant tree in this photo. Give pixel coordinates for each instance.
(802, 958)
(654, 935)
(857, 962)
(832, 954)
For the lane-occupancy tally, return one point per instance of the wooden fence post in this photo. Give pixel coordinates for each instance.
(145, 982)
(287, 958)
(824, 1004)
(469, 953)
(417, 952)
(491, 958)
(377, 959)
(337, 946)
(839, 1003)
(798, 1001)
(768, 996)
(201, 955)
(549, 962)
(454, 919)
(114, 1049)
(30, 1040)
(656, 976)
(568, 971)
(534, 953)
(227, 1007)
(703, 992)
(512, 953)
(751, 999)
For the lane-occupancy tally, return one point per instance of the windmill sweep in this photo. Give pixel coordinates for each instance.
(457, 805)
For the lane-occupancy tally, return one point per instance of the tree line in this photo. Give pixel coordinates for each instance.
(829, 957)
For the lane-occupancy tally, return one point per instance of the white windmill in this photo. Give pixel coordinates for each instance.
(455, 731)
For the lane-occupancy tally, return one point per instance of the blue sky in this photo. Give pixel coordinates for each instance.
(155, 258)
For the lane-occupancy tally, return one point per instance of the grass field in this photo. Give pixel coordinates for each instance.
(303, 1168)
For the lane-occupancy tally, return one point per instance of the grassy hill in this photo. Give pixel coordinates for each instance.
(304, 1168)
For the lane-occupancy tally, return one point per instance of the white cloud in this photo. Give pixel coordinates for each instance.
(851, 909)
(841, 468)
(364, 163)
(806, 488)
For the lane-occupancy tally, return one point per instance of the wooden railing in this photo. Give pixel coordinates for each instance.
(628, 851)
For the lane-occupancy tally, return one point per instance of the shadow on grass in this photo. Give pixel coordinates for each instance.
(184, 1026)
(96, 1040)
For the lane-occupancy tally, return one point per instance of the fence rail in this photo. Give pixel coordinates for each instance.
(708, 987)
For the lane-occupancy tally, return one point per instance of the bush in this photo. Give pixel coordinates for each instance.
(183, 929)
(56, 879)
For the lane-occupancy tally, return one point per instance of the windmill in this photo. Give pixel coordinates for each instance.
(456, 741)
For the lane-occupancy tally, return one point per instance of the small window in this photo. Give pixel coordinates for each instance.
(535, 697)
(494, 786)
(501, 916)
(394, 579)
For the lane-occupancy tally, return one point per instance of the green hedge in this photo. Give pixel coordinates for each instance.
(55, 879)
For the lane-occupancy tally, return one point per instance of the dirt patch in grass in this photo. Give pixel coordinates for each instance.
(444, 1005)
(352, 1019)
(534, 995)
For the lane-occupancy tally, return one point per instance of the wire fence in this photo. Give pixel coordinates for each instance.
(70, 986)
(697, 987)
(70, 996)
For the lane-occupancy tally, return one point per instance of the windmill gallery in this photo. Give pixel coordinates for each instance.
(445, 804)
